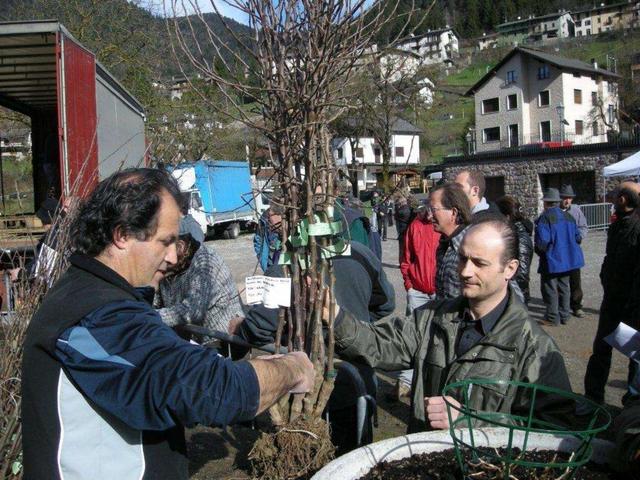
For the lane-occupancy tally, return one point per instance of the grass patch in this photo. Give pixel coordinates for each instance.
(17, 182)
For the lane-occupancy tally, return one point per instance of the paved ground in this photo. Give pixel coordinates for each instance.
(222, 454)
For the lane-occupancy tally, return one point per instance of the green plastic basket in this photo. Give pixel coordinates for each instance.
(518, 428)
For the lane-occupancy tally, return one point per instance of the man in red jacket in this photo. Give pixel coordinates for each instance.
(418, 267)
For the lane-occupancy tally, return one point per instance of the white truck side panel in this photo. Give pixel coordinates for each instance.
(121, 141)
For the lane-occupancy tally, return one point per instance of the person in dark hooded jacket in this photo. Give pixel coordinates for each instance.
(510, 208)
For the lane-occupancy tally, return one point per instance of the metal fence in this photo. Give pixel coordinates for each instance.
(598, 215)
(558, 148)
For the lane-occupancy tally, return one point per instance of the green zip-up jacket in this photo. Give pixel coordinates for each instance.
(515, 349)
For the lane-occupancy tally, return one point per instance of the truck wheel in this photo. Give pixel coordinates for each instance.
(232, 231)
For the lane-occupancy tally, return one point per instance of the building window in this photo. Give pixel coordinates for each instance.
(511, 77)
(376, 154)
(545, 131)
(399, 151)
(577, 96)
(514, 138)
(594, 98)
(512, 101)
(543, 98)
(491, 134)
(611, 114)
(491, 105)
(587, 23)
(543, 72)
(576, 75)
(340, 152)
(611, 87)
(359, 152)
(579, 126)
(595, 129)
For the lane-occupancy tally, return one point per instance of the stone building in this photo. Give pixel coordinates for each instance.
(525, 176)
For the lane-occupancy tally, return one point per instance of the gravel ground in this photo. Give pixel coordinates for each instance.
(222, 454)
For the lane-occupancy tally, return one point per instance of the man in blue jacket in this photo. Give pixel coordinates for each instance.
(107, 388)
(557, 242)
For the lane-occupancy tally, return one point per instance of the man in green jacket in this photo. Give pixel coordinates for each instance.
(485, 333)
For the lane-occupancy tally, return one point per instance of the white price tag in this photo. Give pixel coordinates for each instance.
(272, 292)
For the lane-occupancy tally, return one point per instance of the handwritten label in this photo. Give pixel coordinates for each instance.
(270, 291)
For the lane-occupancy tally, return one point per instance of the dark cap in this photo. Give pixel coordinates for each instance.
(566, 191)
(189, 226)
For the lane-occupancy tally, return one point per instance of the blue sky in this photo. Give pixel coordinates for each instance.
(205, 6)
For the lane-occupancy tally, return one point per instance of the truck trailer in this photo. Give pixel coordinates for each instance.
(84, 126)
(84, 123)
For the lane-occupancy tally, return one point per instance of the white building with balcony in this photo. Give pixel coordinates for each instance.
(534, 98)
(366, 156)
(435, 46)
(536, 29)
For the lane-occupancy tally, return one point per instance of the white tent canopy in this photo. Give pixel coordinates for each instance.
(629, 167)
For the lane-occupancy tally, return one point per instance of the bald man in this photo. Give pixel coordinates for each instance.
(484, 333)
(620, 277)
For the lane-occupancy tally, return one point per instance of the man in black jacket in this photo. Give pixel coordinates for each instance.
(107, 388)
(620, 277)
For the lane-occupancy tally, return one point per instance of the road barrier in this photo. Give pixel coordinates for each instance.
(598, 215)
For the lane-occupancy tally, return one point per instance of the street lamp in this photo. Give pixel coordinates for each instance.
(470, 145)
(560, 110)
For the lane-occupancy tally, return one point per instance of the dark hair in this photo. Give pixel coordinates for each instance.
(453, 196)
(129, 200)
(632, 197)
(509, 236)
(476, 179)
(510, 207)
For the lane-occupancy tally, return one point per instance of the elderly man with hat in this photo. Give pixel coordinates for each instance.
(557, 242)
(198, 289)
(575, 282)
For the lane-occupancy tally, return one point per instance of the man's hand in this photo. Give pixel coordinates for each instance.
(234, 324)
(307, 372)
(435, 410)
(326, 307)
(282, 374)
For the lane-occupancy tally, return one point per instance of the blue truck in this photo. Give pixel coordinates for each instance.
(219, 194)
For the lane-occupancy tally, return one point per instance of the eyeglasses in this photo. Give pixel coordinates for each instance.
(435, 209)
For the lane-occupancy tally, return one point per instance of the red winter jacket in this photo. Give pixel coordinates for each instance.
(418, 264)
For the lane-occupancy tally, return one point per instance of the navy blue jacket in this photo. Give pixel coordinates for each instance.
(107, 387)
(557, 242)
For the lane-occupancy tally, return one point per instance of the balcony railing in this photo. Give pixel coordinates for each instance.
(567, 143)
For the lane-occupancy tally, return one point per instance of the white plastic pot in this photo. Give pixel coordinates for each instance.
(357, 463)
